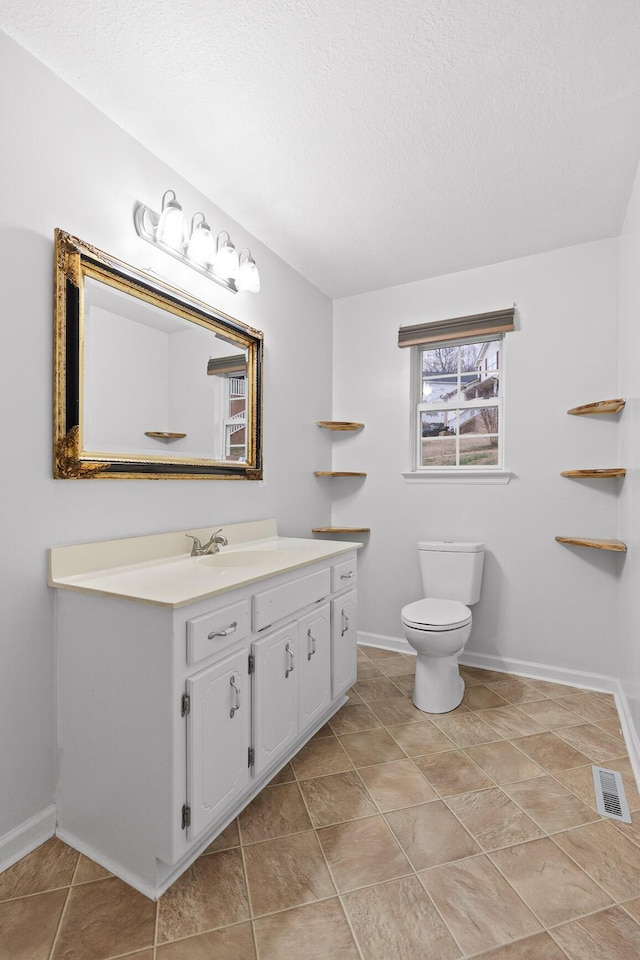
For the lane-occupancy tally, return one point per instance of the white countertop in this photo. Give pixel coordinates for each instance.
(159, 570)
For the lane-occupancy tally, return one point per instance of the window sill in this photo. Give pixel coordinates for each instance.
(458, 476)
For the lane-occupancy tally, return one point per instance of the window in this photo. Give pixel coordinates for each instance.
(459, 408)
(458, 393)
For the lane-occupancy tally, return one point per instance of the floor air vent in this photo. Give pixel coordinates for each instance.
(610, 796)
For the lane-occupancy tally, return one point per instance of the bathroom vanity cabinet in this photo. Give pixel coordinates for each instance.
(172, 718)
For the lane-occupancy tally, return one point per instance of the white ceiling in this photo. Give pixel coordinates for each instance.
(371, 142)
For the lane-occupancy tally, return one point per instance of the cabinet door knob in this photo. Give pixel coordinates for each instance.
(312, 644)
(236, 690)
(223, 633)
(345, 623)
(292, 662)
(346, 576)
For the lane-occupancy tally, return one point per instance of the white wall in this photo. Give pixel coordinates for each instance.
(541, 602)
(629, 643)
(65, 164)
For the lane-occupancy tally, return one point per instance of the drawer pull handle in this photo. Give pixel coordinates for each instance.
(345, 623)
(292, 662)
(223, 633)
(347, 576)
(313, 644)
(236, 689)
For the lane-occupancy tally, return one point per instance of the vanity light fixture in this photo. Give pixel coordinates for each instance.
(213, 258)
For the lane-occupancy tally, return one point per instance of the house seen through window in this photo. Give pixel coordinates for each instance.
(459, 408)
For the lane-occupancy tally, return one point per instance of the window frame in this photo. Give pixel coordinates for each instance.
(489, 473)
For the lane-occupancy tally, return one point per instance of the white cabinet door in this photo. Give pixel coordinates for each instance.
(344, 635)
(315, 665)
(275, 695)
(218, 729)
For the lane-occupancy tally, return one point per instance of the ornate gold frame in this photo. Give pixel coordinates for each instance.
(75, 260)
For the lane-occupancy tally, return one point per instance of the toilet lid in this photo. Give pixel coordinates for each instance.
(436, 614)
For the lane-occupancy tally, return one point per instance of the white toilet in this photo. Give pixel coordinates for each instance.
(439, 626)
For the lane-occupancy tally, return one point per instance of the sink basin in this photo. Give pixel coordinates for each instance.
(248, 558)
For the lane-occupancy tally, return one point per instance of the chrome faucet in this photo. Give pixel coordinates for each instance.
(212, 545)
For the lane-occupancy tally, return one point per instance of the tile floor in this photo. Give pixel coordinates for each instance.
(392, 834)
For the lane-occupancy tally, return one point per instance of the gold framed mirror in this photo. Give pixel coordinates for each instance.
(148, 381)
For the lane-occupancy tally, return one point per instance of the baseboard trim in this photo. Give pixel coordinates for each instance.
(383, 642)
(629, 731)
(20, 841)
(116, 869)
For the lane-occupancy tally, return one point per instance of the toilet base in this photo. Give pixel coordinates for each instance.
(438, 688)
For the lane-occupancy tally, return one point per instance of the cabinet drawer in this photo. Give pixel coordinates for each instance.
(213, 632)
(280, 602)
(343, 575)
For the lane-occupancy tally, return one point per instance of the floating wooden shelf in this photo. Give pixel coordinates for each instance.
(616, 545)
(601, 406)
(161, 435)
(601, 472)
(337, 473)
(341, 530)
(339, 425)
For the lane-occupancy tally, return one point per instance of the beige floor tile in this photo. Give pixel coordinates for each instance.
(580, 781)
(479, 697)
(87, 871)
(493, 819)
(553, 689)
(353, 718)
(230, 837)
(517, 691)
(29, 925)
(550, 714)
(323, 732)
(362, 852)
(482, 676)
(377, 689)
(51, 865)
(336, 798)
(590, 740)
(420, 739)
(400, 710)
(609, 934)
(404, 685)
(371, 746)
(466, 729)
(396, 785)
(318, 931)
(503, 762)
(397, 920)
(539, 947)
(512, 722)
(354, 697)
(467, 674)
(552, 806)
(368, 670)
(430, 835)
(396, 667)
(478, 905)
(629, 830)
(589, 706)
(378, 653)
(452, 773)
(633, 907)
(105, 919)
(612, 727)
(275, 812)
(606, 855)
(283, 776)
(549, 882)
(320, 758)
(286, 872)
(550, 752)
(231, 942)
(623, 766)
(605, 697)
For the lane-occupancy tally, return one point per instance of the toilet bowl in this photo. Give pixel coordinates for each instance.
(438, 627)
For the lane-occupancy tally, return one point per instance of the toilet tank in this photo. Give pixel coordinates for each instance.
(451, 570)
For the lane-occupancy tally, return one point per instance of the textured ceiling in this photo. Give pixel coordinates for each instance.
(371, 142)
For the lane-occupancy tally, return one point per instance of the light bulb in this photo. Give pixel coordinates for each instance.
(248, 276)
(171, 228)
(225, 264)
(202, 246)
